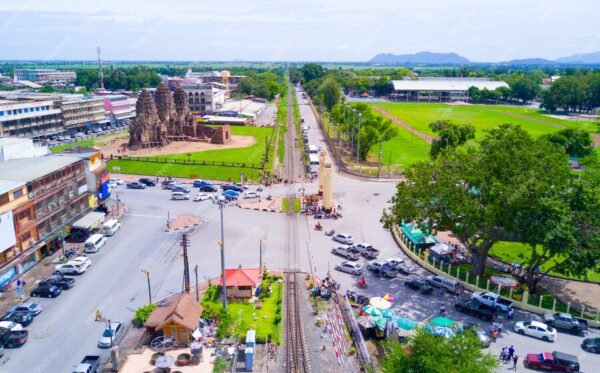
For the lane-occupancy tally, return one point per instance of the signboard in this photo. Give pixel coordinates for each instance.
(7, 231)
(7, 276)
(82, 189)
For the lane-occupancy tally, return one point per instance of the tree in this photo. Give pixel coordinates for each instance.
(576, 142)
(524, 88)
(47, 88)
(330, 91)
(449, 135)
(474, 93)
(375, 129)
(426, 353)
(312, 71)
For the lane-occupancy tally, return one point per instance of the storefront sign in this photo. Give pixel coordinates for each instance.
(7, 276)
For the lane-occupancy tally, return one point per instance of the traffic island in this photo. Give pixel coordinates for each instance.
(183, 222)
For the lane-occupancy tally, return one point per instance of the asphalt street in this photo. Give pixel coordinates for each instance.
(65, 331)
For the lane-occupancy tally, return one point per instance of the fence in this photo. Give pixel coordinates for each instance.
(361, 346)
(521, 298)
(191, 162)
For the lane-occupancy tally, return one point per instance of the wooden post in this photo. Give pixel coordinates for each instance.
(510, 293)
(541, 299)
(458, 273)
(582, 310)
(450, 269)
(525, 297)
(487, 285)
(554, 305)
(477, 281)
(467, 280)
(568, 306)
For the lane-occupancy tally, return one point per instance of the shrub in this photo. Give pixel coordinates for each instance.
(142, 314)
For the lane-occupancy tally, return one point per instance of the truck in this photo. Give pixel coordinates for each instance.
(565, 321)
(89, 364)
(492, 301)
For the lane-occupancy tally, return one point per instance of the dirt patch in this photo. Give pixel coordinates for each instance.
(184, 221)
(118, 146)
(403, 124)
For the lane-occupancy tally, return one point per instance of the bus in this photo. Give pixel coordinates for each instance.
(313, 161)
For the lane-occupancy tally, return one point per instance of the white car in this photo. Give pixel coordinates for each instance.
(116, 181)
(71, 268)
(349, 267)
(86, 261)
(179, 196)
(111, 335)
(13, 326)
(248, 195)
(202, 197)
(536, 329)
(344, 238)
(112, 184)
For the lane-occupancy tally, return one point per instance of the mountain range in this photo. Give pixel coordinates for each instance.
(432, 58)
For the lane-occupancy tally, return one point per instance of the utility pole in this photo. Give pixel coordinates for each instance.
(380, 155)
(221, 202)
(358, 138)
(100, 73)
(186, 266)
(260, 264)
(197, 293)
(149, 289)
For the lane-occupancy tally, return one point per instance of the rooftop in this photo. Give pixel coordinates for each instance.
(31, 169)
(242, 277)
(457, 84)
(182, 309)
(8, 185)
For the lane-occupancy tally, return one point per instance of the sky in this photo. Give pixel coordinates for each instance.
(301, 30)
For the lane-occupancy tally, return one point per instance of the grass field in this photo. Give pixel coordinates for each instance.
(88, 142)
(510, 252)
(483, 117)
(252, 154)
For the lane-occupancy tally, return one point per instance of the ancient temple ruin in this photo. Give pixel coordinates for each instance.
(166, 117)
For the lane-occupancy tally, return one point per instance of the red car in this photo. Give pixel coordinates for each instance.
(553, 362)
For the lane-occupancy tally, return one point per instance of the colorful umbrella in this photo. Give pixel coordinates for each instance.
(381, 322)
(389, 297)
(406, 324)
(444, 332)
(389, 313)
(365, 322)
(442, 321)
(371, 310)
(380, 303)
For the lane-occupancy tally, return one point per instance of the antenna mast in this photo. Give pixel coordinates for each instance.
(100, 73)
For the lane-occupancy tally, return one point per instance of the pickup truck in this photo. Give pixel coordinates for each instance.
(60, 281)
(565, 321)
(474, 308)
(367, 250)
(553, 361)
(492, 301)
(11, 338)
(89, 364)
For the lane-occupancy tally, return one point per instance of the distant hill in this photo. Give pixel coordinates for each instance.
(421, 57)
(591, 58)
(528, 61)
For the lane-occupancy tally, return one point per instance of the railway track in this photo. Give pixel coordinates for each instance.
(295, 345)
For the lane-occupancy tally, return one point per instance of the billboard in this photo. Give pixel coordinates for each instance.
(7, 231)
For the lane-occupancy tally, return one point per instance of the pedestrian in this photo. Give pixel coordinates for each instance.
(500, 327)
(503, 354)
(511, 351)
(98, 315)
(494, 335)
(510, 314)
(515, 359)
(443, 310)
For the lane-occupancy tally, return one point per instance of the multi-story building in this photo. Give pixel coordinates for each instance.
(221, 77)
(14, 148)
(47, 76)
(56, 194)
(204, 98)
(29, 118)
(86, 112)
(96, 174)
(118, 108)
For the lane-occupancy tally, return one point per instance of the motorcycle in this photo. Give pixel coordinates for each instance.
(330, 232)
(362, 284)
(318, 227)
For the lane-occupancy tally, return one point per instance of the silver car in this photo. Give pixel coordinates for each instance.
(346, 251)
(111, 335)
(349, 267)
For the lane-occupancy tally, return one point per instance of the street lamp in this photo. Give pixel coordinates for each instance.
(358, 140)
(352, 132)
(149, 290)
(221, 202)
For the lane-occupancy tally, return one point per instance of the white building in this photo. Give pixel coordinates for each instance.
(15, 148)
(204, 98)
(440, 89)
(29, 118)
(47, 76)
(85, 112)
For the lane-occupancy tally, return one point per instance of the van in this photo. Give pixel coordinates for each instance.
(110, 227)
(179, 196)
(94, 243)
(312, 149)
(448, 284)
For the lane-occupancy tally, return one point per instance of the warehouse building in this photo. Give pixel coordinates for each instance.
(439, 89)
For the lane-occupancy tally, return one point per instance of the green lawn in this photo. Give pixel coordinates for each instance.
(403, 150)
(82, 143)
(252, 154)
(510, 252)
(483, 117)
(245, 314)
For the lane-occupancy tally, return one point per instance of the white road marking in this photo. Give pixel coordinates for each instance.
(147, 216)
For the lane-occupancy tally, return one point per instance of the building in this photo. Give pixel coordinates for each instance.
(96, 174)
(118, 108)
(14, 213)
(15, 148)
(29, 118)
(439, 89)
(242, 282)
(204, 98)
(176, 317)
(222, 77)
(85, 112)
(56, 194)
(47, 76)
(247, 108)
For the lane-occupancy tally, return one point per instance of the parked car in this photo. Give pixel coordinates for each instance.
(178, 196)
(11, 325)
(34, 308)
(349, 267)
(135, 185)
(367, 250)
(345, 251)
(492, 300)
(399, 264)
(77, 236)
(169, 184)
(230, 195)
(47, 291)
(202, 197)
(71, 268)
(419, 285)
(201, 183)
(233, 187)
(86, 261)
(448, 284)
(591, 345)
(553, 361)
(248, 195)
(60, 138)
(181, 188)
(21, 317)
(147, 182)
(111, 335)
(60, 281)
(117, 181)
(565, 321)
(89, 364)
(208, 188)
(240, 185)
(382, 268)
(12, 339)
(474, 308)
(536, 329)
(344, 238)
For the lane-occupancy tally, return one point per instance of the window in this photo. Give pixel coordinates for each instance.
(26, 110)
(18, 193)
(19, 111)
(3, 199)
(1, 113)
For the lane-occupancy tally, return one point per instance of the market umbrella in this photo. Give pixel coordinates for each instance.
(381, 322)
(371, 310)
(442, 321)
(388, 297)
(380, 303)
(444, 332)
(389, 313)
(406, 324)
(365, 322)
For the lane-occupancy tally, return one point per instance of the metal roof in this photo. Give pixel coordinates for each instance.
(90, 221)
(8, 185)
(31, 169)
(445, 85)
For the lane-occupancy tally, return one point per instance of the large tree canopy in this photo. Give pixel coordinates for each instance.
(576, 142)
(449, 135)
